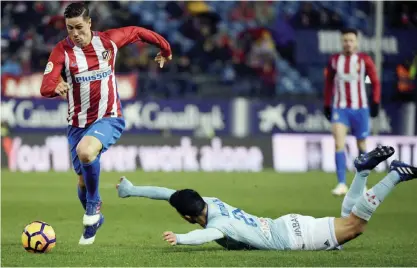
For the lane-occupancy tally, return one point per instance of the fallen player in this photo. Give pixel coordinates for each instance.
(235, 229)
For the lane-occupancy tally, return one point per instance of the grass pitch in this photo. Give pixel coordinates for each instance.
(132, 233)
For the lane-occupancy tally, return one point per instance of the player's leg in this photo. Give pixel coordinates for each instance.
(361, 128)
(74, 136)
(88, 150)
(348, 228)
(328, 233)
(361, 144)
(90, 231)
(364, 164)
(82, 191)
(98, 138)
(340, 126)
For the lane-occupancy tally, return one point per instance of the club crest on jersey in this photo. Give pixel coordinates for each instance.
(106, 55)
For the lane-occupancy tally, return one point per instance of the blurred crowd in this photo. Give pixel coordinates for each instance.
(220, 48)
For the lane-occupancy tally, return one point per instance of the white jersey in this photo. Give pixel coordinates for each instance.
(235, 229)
(243, 230)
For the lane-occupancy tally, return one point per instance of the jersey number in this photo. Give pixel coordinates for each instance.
(240, 215)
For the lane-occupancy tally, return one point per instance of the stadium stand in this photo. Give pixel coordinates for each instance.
(221, 48)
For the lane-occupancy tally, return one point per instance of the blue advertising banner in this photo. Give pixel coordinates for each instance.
(307, 117)
(196, 118)
(315, 47)
(145, 116)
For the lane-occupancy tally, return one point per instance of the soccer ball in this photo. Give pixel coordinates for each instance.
(38, 237)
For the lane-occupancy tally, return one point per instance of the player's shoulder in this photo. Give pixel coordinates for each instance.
(210, 199)
(363, 55)
(59, 49)
(110, 33)
(333, 59)
(104, 34)
(335, 55)
(61, 44)
(218, 222)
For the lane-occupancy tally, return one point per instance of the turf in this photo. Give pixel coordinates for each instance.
(132, 233)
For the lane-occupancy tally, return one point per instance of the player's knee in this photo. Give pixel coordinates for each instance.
(86, 153)
(339, 134)
(339, 144)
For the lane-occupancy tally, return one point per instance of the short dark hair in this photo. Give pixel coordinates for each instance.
(77, 9)
(350, 30)
(187, 202)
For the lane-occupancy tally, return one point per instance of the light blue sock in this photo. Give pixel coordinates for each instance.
(368, 203)
(91, 174)
(341, 166)
(82, 195)
(355, 191)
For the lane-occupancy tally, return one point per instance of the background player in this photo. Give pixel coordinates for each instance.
(86, 59)
(345, 82)
(233, 228)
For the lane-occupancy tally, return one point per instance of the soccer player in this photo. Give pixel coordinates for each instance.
(345, 81)
(233, 228)
(86, 59)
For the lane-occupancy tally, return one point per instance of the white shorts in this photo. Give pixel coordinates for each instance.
(309, 233)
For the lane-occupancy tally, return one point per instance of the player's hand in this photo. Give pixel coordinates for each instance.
(161, 59)
(328, 113)
(374, 111)
(62, 88)
(170, 237)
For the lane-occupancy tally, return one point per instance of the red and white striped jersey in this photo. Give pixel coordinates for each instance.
(345, 81)
(90, 72)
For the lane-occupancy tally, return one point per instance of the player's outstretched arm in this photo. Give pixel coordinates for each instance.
(126, 189)
(376, 86)
(131, 34)
(196, 237)
(52, 83)
(328, 88)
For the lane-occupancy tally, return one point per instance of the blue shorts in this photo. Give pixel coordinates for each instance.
(355, 119)
(108, 130)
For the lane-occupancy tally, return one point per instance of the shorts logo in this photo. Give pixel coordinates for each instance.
(49, 67)
(106, 55)
(99, 133)
(336, 116)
